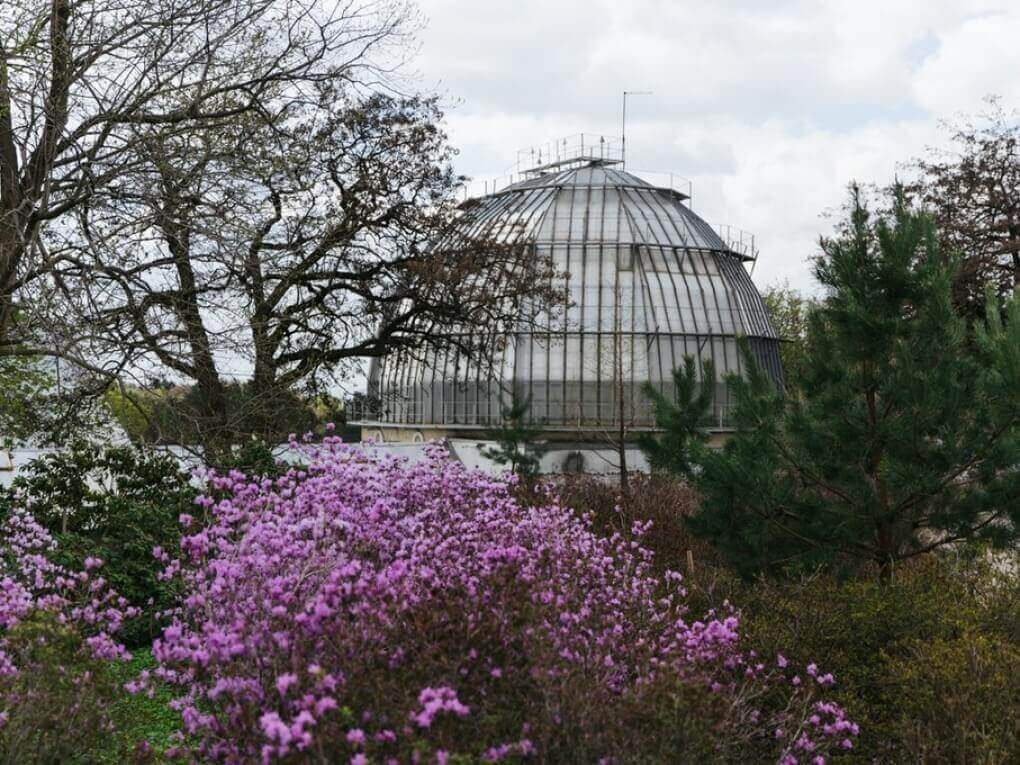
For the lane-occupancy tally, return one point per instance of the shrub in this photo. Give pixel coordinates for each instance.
(253, 457)
(923, 662)
(365, 607)
(162, 413)
(115, 504)
(657, 504)
(958, 699)
(57, 646)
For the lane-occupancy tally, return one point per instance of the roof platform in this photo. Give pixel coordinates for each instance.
(573, 151)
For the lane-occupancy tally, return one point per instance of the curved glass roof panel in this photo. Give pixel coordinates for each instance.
(646, 282)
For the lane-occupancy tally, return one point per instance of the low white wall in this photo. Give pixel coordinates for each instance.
(468, 451)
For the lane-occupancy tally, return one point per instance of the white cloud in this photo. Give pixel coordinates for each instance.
(771, 107)
(979, 57)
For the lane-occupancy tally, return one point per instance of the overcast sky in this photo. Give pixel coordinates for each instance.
(769, 107)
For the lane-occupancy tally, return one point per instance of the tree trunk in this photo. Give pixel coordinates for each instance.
(624, 478)
(264, 385)
(212, 423)
(885, 571)
(23, 188)
(10, 201)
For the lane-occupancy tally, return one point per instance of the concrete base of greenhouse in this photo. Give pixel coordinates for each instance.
(567, 451)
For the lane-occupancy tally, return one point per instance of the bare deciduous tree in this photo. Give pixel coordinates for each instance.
(292, 247)
(83, 82)
(973, 190)
(206, 186)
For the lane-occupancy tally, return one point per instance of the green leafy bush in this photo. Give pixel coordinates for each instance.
(923, 663)
(253, 457)
(61, 710)
(163, 413)
(115, 504)
(958, 699)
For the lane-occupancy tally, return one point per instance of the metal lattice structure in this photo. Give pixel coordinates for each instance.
(647, 282)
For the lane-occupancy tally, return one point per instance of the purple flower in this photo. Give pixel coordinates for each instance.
(369, 589)
(356, 737)
(284, 682)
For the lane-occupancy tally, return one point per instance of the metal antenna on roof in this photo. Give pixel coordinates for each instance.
(623, 129)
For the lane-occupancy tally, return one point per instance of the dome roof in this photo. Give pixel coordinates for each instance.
(647, 282)
(591, 203)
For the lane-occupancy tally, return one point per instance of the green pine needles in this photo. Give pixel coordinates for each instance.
(684, 424)
(904, 433)
(516, 441)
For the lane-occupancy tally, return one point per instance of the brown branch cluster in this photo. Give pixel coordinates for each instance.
(205, 186)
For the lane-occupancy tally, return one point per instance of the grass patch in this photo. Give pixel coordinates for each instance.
(139, 718)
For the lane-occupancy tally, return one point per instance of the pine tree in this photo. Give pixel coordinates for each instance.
(517, 445)
(906, 436)
(685, 425)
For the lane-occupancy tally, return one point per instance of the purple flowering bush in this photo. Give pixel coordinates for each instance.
(58, 644)
(366, 609)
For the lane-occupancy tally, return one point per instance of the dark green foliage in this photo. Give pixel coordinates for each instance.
(906, 435)
(925, 664)
(144, 725)
(684, 425)
(58, 712)
(115, 504)
(162, 414)
(517, 445)
(255, 458)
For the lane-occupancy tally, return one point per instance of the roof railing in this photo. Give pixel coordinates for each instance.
(738, 241)
(573, 150)
(473, 188)
(669, 181)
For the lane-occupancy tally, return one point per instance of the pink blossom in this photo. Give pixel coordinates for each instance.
(284, 682)
(356, 736)
(366, 588)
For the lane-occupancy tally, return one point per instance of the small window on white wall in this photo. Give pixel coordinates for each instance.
(574, 463)
(417, 438)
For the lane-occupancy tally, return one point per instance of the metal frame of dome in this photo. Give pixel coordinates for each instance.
(649, 282)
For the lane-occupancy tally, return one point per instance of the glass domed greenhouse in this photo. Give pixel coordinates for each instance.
(647, 282)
